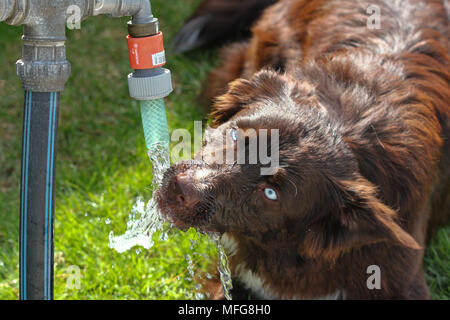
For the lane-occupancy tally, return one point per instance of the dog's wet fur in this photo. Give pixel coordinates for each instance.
(364, 125)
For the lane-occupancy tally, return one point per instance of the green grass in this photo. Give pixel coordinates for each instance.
(437, 265)
(102, 167)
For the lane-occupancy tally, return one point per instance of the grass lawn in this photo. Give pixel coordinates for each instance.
(102, 168)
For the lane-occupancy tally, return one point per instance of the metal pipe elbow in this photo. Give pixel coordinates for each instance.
(13, 11)
(144, 15)
(5, 8)
(140, 10)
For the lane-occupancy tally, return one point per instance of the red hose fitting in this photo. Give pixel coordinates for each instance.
(146, 52)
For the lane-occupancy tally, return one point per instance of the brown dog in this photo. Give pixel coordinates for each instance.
(362, 112)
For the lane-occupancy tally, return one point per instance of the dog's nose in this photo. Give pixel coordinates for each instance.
(184, 190)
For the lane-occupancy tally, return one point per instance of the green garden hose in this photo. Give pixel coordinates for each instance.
(154, 121)
(156, 133)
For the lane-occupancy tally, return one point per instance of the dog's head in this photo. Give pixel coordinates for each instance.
(286, 174)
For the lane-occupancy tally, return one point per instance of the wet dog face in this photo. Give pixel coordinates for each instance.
(312, 195)
(233, 187)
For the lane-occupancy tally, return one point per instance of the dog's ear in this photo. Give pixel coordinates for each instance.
(264, 86)
(356, 217)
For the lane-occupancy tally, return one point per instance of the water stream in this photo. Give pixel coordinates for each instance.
(224, 269)
(145, 220)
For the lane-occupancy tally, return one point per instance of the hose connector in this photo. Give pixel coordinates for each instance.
(146, 53)
(43, 67)
(150, 84)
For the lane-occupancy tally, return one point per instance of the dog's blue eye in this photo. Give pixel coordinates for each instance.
(234, 134)
(270, 194)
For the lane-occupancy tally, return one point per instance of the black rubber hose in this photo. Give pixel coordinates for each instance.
(38, 195)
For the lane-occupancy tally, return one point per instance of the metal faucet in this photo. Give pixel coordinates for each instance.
(43, 67)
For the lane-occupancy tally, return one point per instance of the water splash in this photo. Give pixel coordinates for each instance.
(145, 220)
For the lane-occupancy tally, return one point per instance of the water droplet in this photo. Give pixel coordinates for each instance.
(93, 204)
(199, 296)
(164, 236)
(204, 255)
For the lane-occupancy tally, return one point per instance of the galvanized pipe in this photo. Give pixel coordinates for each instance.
(43, 67)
